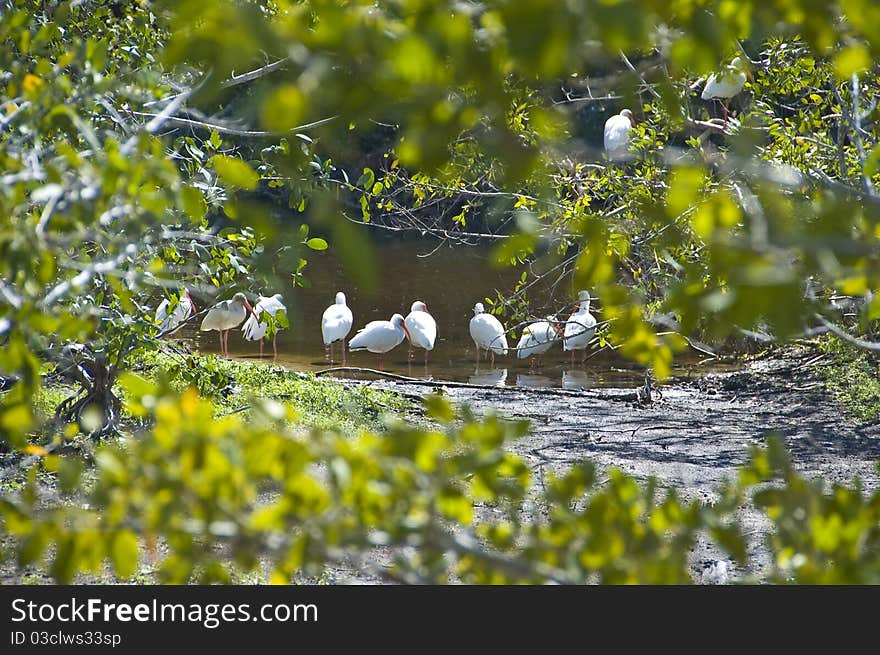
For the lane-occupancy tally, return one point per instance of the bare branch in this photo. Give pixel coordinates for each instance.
(234, 131)
(255, 74)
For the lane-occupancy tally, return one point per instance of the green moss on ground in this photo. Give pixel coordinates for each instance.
(853, 378)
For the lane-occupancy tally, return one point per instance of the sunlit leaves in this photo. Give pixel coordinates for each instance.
(235, 172)
(284, 109)
(851, 60)
(317, 244)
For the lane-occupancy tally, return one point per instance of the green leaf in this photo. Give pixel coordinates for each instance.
(193, 203)
(235, 172)
(124, 553)
(317, 244)
(851, 60)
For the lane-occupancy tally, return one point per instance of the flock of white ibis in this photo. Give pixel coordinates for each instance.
(380, 337)
(419, 327)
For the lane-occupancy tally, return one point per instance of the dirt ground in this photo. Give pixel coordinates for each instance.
(693, 434)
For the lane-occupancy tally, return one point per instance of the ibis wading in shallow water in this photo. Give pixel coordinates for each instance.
(336, 324)
(224, 316)
(538, 338)
(254, 329)
(487, 333)
(421, 329)
(169, 322)
(617, 130)
(580, 328)
(381, 336)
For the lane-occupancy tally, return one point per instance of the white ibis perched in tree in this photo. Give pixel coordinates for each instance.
(226, 315)
(487, 333)
(725, 85)
(538, 338)
(580, 327)
(170, 321)
(422, 328)
(256, 327)
(336, 324)
(617, 130)
(381, 336)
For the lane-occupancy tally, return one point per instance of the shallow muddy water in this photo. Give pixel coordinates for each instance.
(449, 281)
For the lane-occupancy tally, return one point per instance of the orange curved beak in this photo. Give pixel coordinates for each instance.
(406, 332)
(248, 305)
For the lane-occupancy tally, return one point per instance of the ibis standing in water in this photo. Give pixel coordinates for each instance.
(170, 322)
(487, 333)
(421, 329)
(537, 339)
(381, 336)
(255, 328)
(617, 130)
(226, 315)
(725, 85)
(579, 328)
(336, 324)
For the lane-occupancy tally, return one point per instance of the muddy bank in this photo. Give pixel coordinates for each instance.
(693, 434)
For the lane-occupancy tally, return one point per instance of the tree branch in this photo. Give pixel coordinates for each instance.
(233, 131)
(235, 80)
(836, 330)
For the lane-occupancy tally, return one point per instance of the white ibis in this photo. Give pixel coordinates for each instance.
(617, 130)
(336, 324)
(487, 333)
(538, 338)
(580, 328)
(224, 316)
(255, 328)
(170, 322)
(381, 336)
(422, 328)
(726, 84)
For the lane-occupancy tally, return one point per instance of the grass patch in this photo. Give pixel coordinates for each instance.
(231, 385)
(853, 378)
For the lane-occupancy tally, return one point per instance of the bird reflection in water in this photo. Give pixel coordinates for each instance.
(495, 377)
(575, 379)
(532, 380)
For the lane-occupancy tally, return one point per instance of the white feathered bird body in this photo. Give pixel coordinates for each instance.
(380, 336)
(580, 327)
(422, 326)
(487, 331)
(169, 322)
(254, 328)
(226, 314)
(537, 338)
(336, 321)
(727, 83)
(617, 132)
